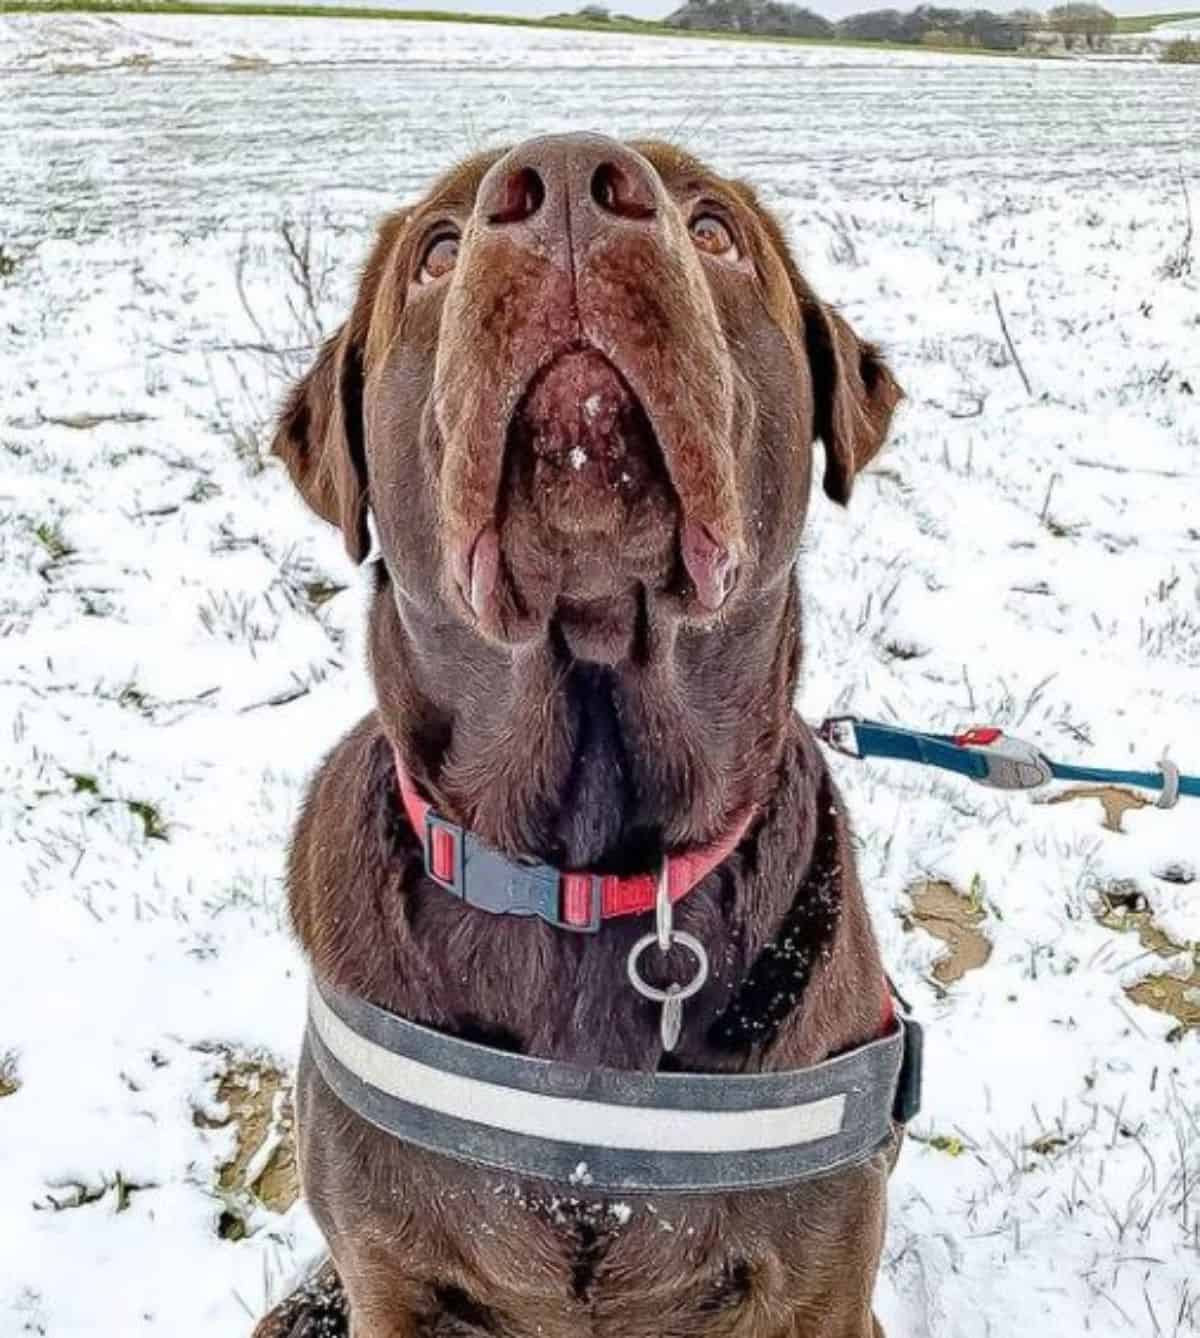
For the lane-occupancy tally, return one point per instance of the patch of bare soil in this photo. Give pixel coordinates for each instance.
(258, 1099)
(1124, 909)
(10, 1080)
(1114, 800)
(941, 910)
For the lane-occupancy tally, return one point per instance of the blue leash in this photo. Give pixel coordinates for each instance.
(992, 757)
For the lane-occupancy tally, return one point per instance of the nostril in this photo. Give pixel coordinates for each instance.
(618, 192)
(604, 187)
(521, 198)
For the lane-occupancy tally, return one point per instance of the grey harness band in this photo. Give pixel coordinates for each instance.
(609, 1129)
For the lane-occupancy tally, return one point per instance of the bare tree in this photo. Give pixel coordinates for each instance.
(1089, 21)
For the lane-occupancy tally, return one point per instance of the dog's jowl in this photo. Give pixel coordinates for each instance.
(579, 393)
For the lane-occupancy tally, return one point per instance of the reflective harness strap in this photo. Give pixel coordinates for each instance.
(612, 1130)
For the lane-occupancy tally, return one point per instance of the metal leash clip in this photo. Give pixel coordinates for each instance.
(838, 732)
(666, 936)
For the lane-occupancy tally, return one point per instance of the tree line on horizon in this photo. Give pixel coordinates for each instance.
(928, 25)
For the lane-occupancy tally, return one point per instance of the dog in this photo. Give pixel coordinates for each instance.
(578, 394)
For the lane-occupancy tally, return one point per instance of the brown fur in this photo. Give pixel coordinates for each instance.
(591, 711)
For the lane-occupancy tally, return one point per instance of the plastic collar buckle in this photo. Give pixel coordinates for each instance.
(485, 879)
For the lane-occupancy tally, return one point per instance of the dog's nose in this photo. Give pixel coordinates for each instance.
(559, 194)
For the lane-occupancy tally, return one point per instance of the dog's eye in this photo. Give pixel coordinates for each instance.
(711, 235)
(441, 255)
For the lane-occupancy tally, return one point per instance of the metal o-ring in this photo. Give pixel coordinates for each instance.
(648, 991)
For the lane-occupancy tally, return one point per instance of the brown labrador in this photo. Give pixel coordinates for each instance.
(578, 392)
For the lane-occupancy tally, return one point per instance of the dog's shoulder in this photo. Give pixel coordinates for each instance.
(340, 849)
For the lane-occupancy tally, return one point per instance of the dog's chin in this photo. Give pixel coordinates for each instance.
(591, 599)
(609, 630)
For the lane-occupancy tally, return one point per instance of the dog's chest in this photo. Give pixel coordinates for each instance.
(533, 1261)
(545, 1262)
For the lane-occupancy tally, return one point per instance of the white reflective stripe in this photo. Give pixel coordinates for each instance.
(563, 1119)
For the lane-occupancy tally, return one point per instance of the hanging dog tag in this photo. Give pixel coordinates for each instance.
(665, 937)
(671, 1023)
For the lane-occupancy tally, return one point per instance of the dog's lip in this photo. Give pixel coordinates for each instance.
(477, 569)
(710, 563)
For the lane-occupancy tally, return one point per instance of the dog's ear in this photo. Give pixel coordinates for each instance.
(320, 439)
(854, 392)
(320, 435)
(854, 396)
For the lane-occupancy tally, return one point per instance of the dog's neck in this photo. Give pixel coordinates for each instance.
(588, 766)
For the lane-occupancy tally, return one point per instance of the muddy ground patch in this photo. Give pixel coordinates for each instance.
(1124, 909)
(10, 1079)
(257, 1097)
(1114, 800)
(941, 910)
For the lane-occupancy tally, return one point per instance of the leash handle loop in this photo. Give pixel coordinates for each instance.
(1171, 784)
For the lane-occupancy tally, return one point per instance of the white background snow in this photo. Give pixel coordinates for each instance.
(1031, 560)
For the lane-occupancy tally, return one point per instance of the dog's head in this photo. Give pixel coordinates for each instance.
(581, 379)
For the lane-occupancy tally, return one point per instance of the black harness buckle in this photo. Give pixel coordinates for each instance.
(487, 880)
(908, 1081)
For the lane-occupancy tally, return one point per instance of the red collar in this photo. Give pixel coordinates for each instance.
(578, 901)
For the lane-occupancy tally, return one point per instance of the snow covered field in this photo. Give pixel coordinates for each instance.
(180, 642)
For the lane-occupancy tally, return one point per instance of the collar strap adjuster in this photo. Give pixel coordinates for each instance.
(480, 877)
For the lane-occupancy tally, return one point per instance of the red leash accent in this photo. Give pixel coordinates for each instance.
(631, 895)
(978, 736)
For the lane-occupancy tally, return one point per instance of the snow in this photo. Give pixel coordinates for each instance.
(1031, 560)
